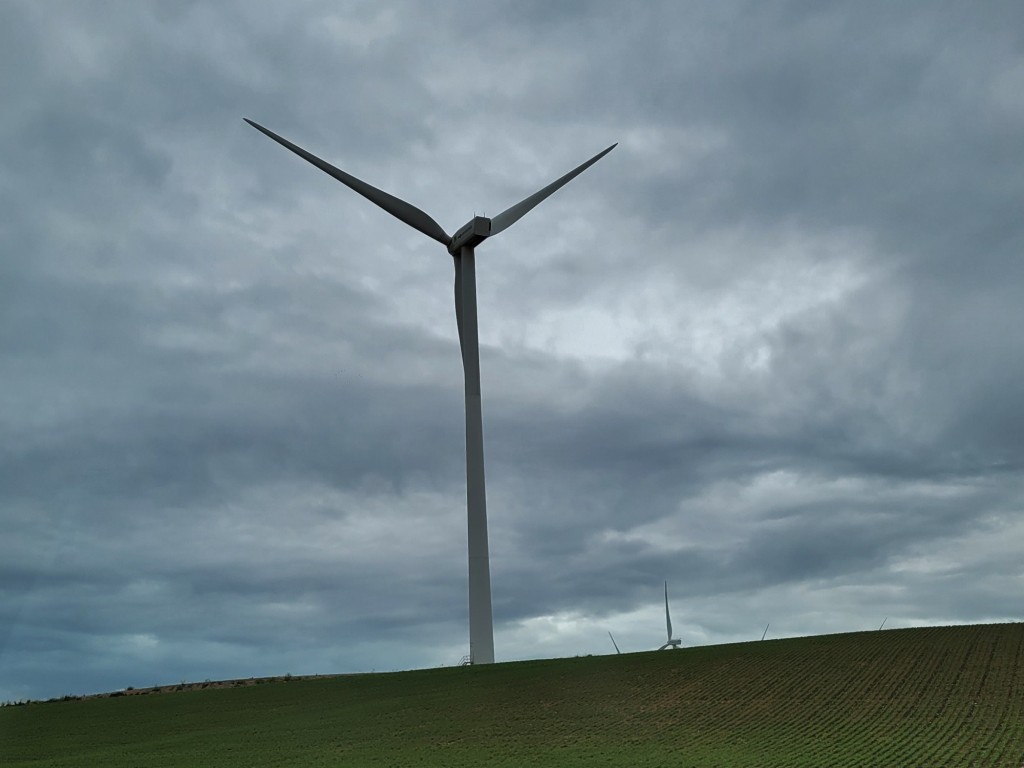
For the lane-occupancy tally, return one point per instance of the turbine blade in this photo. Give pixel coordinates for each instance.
(668, 619)
(458, 305)
(508, 217)
(614, 643)
(400, 209)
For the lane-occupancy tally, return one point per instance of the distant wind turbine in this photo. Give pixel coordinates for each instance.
(461, 246)
(672, 642)
(614, 643)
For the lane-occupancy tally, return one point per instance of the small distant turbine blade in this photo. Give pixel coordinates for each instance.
(507, 218)
(614, 643)
(668, 619)
(763, 634)
(400, 209)
(883, 623)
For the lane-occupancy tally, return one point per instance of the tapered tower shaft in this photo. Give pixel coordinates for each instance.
(481, 631)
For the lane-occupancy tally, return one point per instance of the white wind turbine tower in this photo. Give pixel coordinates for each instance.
(461, 246)
(672, 642)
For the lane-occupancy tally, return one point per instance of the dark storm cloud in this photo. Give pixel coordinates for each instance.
(767, 350)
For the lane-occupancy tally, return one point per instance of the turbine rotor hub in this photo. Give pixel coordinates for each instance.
(474, 232)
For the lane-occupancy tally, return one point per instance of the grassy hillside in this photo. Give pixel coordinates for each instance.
(947, 696)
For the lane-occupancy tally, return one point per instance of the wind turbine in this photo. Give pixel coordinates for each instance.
(672, 642)
(461, 246)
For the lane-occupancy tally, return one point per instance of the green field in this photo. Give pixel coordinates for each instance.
(945, 696)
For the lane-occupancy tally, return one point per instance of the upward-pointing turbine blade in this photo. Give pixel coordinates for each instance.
(400, 209)
(668, 619)
(614, 643)
(508, 217)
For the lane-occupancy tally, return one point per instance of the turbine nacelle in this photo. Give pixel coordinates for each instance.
(471, 235)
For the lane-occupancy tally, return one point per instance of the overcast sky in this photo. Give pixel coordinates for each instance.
(768, 350)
